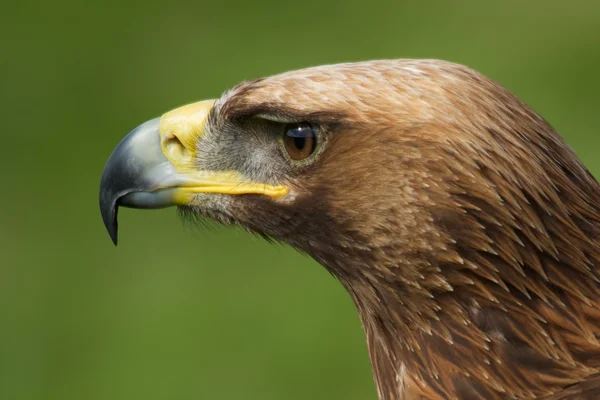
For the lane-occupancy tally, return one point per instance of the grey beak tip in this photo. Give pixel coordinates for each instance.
(109, 209)
(137, 151)
(112, 229)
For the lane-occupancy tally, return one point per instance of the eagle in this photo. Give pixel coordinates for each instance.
(464, 228)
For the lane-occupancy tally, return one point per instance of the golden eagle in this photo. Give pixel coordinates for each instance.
(464, 228)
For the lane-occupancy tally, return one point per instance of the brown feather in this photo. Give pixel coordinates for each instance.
(464, 228)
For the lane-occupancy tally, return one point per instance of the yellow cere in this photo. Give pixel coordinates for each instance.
(180, 131)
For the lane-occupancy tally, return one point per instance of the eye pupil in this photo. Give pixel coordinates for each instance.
(300, 140)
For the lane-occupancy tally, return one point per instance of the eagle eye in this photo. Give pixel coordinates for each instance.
(300, 140)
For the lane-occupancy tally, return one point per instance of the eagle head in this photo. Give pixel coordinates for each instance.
(464, 228)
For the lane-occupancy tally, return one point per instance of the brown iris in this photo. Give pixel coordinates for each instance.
(300, 140)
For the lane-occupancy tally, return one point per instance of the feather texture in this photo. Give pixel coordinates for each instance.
(464, 228)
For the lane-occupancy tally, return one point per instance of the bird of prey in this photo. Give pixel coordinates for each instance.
(463, 227)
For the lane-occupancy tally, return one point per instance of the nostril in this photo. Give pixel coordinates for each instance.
(175, 149)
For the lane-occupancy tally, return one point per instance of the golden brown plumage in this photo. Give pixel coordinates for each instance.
(464, 228)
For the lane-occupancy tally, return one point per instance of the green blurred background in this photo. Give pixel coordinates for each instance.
(176, 313)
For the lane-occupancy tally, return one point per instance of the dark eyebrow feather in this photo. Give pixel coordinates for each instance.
(281, 112)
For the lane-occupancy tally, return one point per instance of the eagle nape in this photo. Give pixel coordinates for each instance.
(464, 228)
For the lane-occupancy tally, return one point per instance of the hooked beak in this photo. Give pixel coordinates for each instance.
(154, 167)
